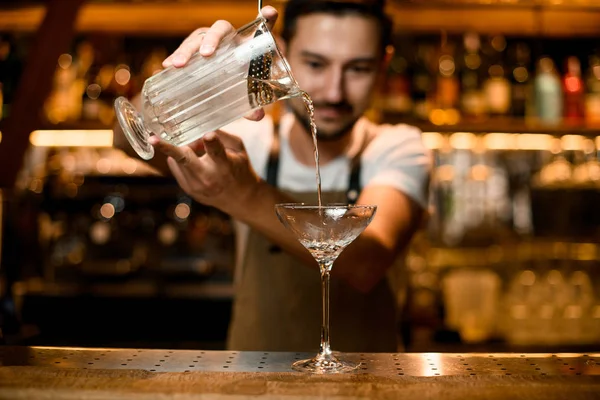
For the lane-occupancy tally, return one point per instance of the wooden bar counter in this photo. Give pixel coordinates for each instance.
(98, 373)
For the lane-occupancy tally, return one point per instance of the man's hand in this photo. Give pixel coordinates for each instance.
(221, 176)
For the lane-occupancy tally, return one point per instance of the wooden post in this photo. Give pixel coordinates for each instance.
(52, 39)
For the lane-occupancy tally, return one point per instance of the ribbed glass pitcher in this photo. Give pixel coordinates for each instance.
(246, 72)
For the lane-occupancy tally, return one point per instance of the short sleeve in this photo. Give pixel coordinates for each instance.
(397, 157)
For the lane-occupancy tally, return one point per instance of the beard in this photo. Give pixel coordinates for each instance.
(329, 136)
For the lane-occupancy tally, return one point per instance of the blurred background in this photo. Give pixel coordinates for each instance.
(99, 250)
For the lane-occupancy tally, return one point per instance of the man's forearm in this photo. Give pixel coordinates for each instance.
(364, 263)
(258, 211)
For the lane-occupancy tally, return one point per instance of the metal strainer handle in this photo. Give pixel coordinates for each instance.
(259, 6)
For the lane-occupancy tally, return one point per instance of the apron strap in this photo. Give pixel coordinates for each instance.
(354, 187)
(273, 161)
(354, 184)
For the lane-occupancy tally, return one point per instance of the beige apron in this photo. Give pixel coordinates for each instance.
(277, 304)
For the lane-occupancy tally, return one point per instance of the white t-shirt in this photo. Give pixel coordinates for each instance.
(395, 157)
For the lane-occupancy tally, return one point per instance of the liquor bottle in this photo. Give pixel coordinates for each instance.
(496, 87)
(396, 95)
(520, 80)
(472, 99)
(421, 85)
(573, 88)
(447, 84)
(548, 92)
(592, 96)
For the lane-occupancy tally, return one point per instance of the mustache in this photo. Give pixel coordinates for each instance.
(342, 106)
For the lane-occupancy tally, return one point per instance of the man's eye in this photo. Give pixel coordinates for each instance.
(361, 69)
(314, 64)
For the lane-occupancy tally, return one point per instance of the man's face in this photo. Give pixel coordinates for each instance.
(336, 60)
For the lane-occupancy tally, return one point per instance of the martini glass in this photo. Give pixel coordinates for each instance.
(325, 231)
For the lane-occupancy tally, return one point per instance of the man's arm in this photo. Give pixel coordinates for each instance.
(224, 178)
(365, 261)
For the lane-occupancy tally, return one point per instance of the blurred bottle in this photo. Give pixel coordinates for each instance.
(63, 103)
(10, 71)
(91, 103)
(447, 85)
(472, 98)
(496, 87)
(592, 96)
(115, 80)
(520, 80)
(573, 88)
(518, 324)
(396, 95)
(548, 92)
(422, 81)
(559, 170)
(87, 73)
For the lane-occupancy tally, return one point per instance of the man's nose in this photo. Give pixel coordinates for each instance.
(334, 86)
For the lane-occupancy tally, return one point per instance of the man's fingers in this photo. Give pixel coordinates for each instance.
(178, 173)
(183, 155)
(214, 147)
(186, 49)
(256, 115)
(230, 141)
(214, 36)
(198, 147)
(206, 40)
(203, 40)
(270, 14)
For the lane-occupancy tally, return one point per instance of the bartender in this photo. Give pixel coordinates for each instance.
(337, 53)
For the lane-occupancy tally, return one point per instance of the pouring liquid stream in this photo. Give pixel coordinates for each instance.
(264, 91)
(313, 127)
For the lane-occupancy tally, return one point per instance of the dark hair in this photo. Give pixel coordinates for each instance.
(369, 8)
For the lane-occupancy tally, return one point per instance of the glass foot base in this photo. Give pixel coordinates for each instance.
(133, 127)
(325, 364)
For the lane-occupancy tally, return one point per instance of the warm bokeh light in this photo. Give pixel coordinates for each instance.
(107, 210)
(500, 141)
(463, 140)
(93, 91)
(182, 211)
(520, 74)
(572, 142)
(433, 140)
(167, 234)
(534, 141)
(437, 116)
(104, 165)
(129, 166)
(122, 76)
(65, 61)
(72, 138)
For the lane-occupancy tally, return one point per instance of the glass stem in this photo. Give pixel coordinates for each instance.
(325, 349)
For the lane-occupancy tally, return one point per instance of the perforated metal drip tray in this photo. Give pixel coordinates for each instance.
(380, 364)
